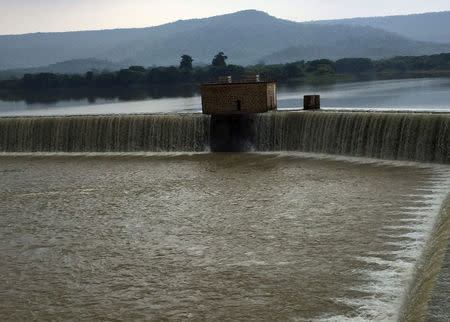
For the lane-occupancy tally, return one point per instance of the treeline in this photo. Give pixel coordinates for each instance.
(186, 73)
(396, 64)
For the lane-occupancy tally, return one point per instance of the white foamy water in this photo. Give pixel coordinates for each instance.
(396, 273)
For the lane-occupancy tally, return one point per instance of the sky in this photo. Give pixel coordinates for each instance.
(25, 16)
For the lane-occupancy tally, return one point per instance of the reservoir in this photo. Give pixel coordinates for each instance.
(201, 236)
(126, 214)
(423, 94)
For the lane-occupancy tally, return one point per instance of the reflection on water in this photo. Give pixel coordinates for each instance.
(421, 94)
(163, 98)
(211, 236)
(431, 93)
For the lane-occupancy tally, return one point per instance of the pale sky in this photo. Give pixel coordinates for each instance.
(24, 16)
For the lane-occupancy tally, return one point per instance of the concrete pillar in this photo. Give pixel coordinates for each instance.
(230, 133)
(311, 102)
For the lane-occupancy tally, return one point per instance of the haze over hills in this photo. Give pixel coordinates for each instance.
(74, 66)
(247, 37)
(432, 26)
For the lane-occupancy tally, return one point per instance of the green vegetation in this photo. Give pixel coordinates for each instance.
(186, 62)
(219, 60)
(186, 73)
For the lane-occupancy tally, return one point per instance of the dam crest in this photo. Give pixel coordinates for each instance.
(395, 136)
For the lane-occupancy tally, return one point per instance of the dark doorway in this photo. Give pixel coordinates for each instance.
(238, 105)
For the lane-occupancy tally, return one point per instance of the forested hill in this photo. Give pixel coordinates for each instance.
(248, 37)
(432, 26)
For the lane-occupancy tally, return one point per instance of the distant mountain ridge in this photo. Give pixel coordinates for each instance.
(431, 26)
(76, 66)
(247, 37)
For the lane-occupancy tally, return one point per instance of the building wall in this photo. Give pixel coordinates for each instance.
(225, 98)
(271, 96)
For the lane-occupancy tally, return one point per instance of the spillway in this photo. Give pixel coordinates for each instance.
(361, 240)
(114, 133)
(395, 136)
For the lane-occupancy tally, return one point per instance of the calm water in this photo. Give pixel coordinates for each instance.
(405, 94)
(211, 236)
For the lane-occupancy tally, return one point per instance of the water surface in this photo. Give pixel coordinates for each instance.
(429, 94)
(211, 236)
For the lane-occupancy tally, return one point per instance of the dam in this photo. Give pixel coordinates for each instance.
(130, 217)
(423, 137)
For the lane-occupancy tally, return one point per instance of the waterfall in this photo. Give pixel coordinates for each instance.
(395, 136)
(117, 133)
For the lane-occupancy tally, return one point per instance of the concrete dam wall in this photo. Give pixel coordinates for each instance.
(115, 133)
(396, 136)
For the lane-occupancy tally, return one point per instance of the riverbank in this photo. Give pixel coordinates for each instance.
(307, 71)
(313, 83)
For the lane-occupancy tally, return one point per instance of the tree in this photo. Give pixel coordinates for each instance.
(320, 66)
(353, 65)
(137, 69)
(130, 76)
(293, 70)
(220, 60)
(90, 75)
(186, 62)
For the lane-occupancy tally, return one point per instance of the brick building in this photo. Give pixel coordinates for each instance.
(245, 97)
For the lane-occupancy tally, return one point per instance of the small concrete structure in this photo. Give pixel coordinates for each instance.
(230, 105)
(224, 79)
(311, 102)
(243, 97)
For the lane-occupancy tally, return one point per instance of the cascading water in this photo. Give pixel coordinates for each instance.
(395, 136)
(105, 133)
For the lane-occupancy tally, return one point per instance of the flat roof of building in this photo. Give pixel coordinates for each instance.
(236, 83)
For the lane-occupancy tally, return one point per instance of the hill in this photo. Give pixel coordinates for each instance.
(75, 66)
(246, 37)
(374, 46)
(432, 26)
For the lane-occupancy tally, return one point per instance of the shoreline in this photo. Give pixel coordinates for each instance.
(308, 79)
